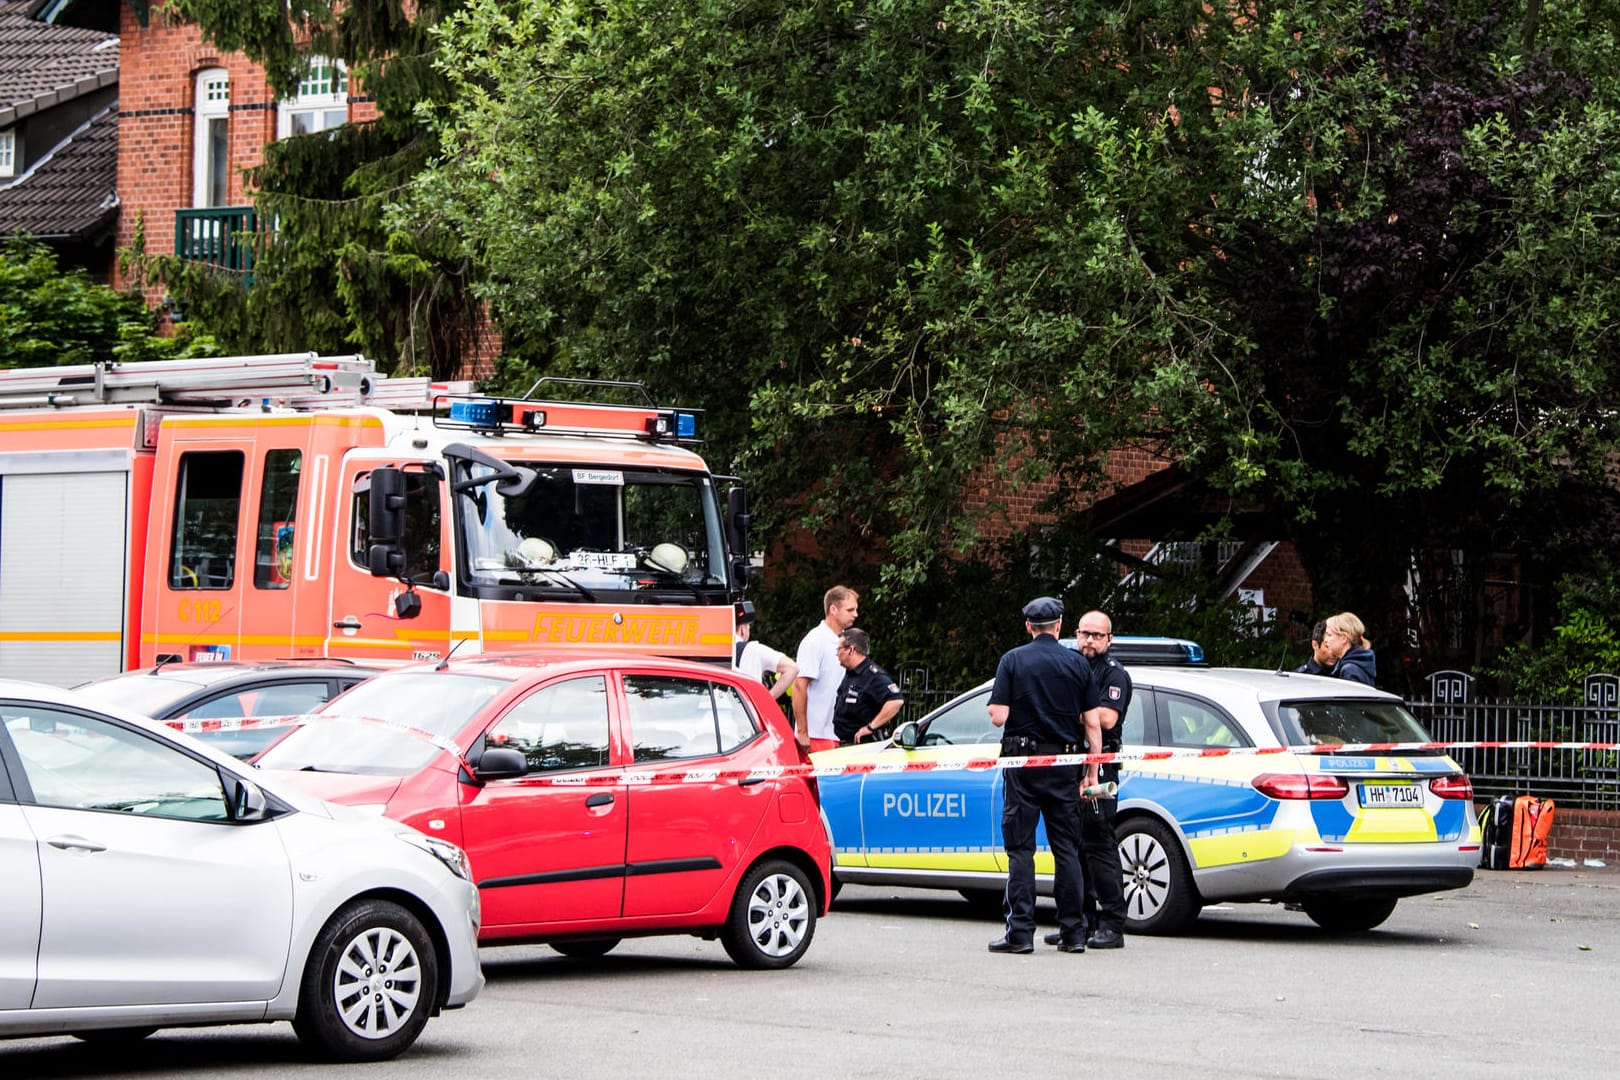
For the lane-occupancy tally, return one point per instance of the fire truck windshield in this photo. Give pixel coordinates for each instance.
(579, 531)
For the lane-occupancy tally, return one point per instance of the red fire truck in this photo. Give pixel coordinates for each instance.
(297, 505)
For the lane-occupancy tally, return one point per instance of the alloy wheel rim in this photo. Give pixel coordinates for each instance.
(1147, 875)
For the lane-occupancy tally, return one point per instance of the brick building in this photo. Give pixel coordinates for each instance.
(191, 118)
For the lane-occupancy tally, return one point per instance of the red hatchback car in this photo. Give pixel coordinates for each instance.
(605, 854)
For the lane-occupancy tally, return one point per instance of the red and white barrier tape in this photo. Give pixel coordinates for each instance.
(248, 723)
(892, 765)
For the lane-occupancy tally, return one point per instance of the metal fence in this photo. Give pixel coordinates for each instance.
(1585, 779)
(1588, 779)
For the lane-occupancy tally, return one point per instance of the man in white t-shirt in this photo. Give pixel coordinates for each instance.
(815, 691)
(755, 658)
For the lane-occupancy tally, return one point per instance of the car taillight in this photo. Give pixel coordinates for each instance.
(1456, 786)
(1301, 785)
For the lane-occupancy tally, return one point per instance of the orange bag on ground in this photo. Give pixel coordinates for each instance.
(1532, 821)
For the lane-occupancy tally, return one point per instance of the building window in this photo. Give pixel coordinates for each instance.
(8, 153)
(211, 152)
(322, 101)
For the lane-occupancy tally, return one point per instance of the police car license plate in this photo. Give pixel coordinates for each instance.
(1391, 795)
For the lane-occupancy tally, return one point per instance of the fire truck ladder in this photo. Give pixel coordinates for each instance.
(288, 380)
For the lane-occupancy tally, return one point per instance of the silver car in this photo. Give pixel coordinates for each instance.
(148, 880)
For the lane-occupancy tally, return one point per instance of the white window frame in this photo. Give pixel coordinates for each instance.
(8, 152)
(313, 99)
(212, 101)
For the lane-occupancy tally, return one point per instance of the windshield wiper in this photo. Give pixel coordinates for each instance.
(559, 576)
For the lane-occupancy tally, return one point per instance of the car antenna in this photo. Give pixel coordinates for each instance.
(442, 664)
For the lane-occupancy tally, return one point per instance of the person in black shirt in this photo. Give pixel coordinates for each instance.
(1104, 901)
(867, 698)
(1321, 661)
(1046, 701)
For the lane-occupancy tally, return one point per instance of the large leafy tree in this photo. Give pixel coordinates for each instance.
(335, 278)
(1351, 264)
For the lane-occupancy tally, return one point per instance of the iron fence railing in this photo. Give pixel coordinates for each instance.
(1589, 779)
(1585, 779)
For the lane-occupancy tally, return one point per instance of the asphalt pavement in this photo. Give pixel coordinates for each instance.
(1515, 976)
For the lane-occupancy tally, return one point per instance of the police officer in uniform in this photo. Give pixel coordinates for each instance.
(867, 698)
(1104, 902)
(1046, 701)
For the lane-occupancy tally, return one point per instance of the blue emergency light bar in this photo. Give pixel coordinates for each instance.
(502, 416)
(479, 414)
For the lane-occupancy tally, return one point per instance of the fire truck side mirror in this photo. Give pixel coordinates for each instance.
(386, 560)
(387, 507)
(737, 520)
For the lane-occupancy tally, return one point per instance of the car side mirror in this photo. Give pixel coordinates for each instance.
(908, 735)
(500, 763)
(247, 800)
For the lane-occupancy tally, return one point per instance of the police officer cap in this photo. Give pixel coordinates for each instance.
(1043, 609)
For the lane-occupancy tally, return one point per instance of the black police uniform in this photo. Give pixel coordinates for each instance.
(1046, 688)
(861, 696)
(1105, 893)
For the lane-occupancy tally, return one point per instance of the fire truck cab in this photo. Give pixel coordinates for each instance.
(256, 507)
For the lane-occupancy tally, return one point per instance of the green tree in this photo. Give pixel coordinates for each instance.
(1351, 264)
(49, 316)
(333, 277)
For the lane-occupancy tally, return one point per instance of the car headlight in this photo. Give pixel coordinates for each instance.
(443, 850)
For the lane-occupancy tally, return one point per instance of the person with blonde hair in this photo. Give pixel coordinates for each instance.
(1344, 641)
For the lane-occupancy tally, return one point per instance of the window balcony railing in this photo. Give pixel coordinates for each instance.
(225, 237)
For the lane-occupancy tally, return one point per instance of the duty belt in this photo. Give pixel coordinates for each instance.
(1017, 745)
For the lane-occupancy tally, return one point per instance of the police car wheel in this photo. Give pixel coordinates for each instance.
(773, 917)
(1344, 916)
(1160, 897)
(586, 950)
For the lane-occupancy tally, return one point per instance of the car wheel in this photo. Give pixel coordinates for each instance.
(114, 1036)
(772, 917)
(1160, 897)
(369, 984)
(586, 950)
(986, 903)
(1348, 916)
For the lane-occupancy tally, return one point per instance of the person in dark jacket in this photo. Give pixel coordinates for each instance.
(1346, 642)
(1318, 664)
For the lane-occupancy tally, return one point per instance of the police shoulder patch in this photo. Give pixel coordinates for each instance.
(1113, 692)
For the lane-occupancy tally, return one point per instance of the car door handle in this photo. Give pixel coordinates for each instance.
(348, 622)
(750, 781)
(74, 843)
(599, 799)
